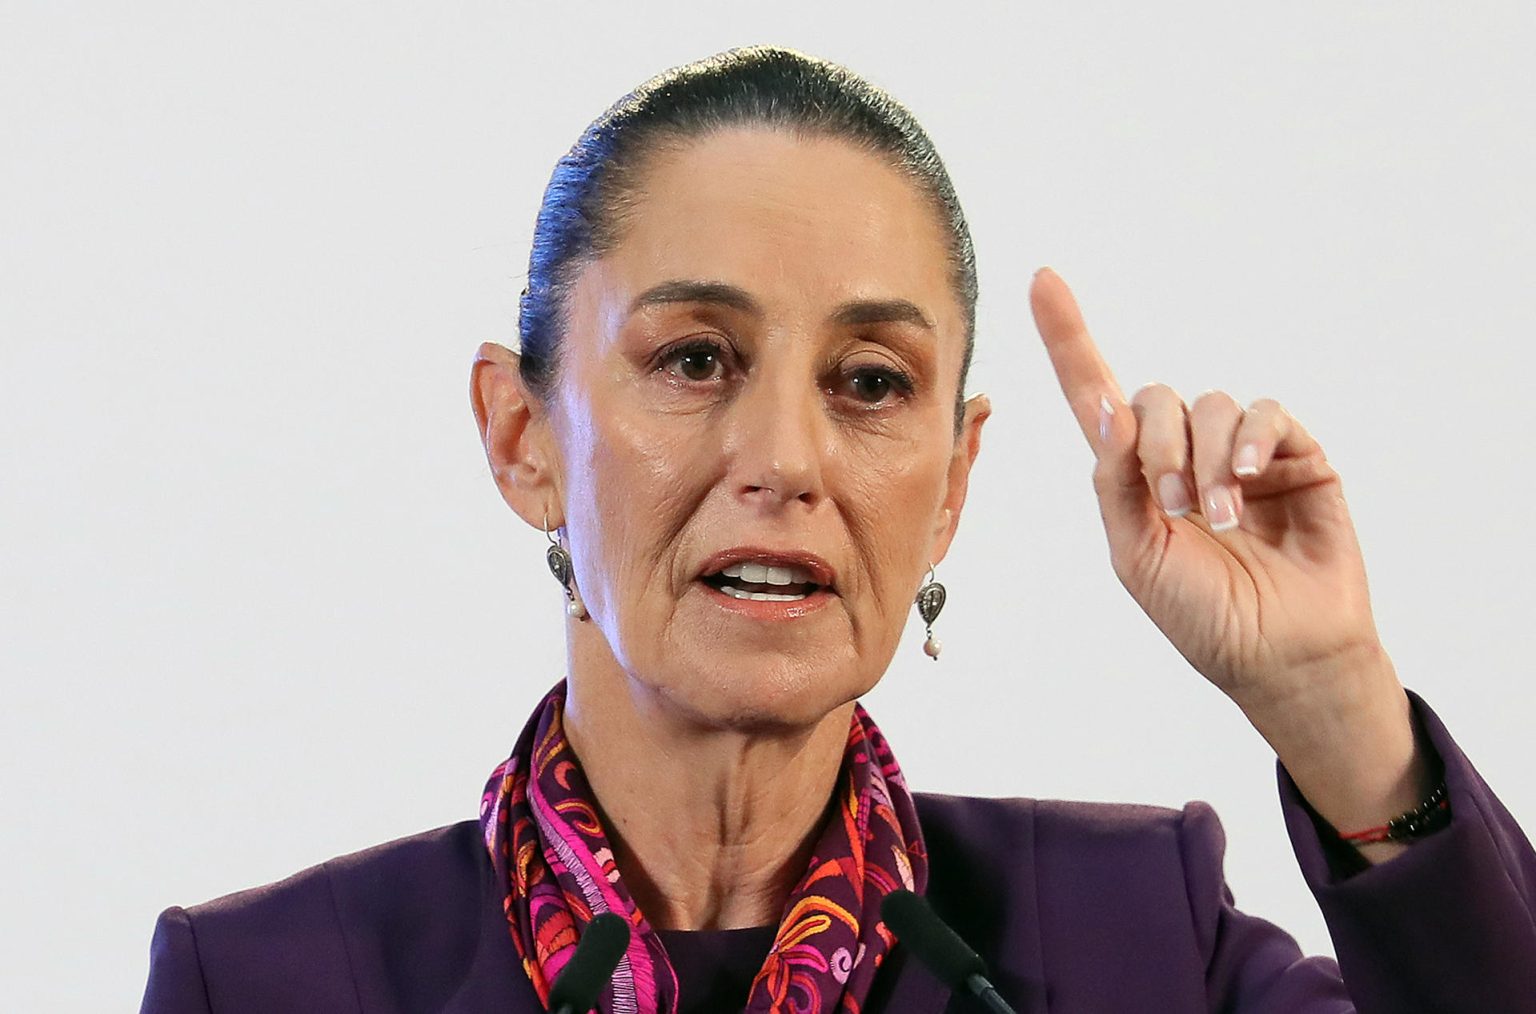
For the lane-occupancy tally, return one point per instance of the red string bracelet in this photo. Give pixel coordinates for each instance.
(1430, 815)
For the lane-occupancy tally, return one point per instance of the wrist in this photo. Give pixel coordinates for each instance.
(1431, 814)
(1357, 755)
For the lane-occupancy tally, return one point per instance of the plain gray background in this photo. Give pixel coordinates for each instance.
(262, 603)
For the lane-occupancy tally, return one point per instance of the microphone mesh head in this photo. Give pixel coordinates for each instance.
(936, 945)
(602, 944)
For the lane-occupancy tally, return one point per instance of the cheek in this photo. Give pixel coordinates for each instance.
(631, 490)
(888, 498)
(891, 495)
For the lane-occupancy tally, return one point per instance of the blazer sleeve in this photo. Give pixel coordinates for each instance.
(1448, 925)
(175, 971)
(1445, 926)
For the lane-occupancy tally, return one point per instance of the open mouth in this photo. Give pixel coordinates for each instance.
(763, 582)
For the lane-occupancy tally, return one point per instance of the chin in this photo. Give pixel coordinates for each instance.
(763, 693)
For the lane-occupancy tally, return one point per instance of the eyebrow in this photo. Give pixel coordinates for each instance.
(853, 312)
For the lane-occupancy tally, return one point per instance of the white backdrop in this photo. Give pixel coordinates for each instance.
(262, 603)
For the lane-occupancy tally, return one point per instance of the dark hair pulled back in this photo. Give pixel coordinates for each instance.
(582, 214)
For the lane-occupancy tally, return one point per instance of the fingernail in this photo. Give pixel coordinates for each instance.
(1220, 510)
(1106, 413)
(1247, 462)
(1174, 494)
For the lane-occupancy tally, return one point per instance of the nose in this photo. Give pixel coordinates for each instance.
(775, 437)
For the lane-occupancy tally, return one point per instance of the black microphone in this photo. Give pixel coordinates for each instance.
(579, 983)
(940, 948)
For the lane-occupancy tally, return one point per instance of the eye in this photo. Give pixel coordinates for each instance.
(874, 385)
(698, 361)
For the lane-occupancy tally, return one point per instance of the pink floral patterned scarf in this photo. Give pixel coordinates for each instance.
(552, 859)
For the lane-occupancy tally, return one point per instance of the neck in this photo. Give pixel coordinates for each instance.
(711, 827)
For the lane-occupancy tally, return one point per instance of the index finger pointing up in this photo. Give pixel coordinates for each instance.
(1081, 371)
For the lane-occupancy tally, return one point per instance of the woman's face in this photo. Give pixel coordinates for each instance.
(757, 399)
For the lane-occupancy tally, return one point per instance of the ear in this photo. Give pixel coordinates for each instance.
(514, 427)
(978, 409)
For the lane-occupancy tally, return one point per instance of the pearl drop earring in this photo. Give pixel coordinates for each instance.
(930, 602)
(559, 561)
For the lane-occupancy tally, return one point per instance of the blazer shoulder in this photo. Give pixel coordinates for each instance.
(397, 863)
(1058, 845)
(453, 851)
(303, 940)
(1046, 822)
(1110, 825)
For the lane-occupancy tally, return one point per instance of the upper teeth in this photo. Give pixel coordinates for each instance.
(758, 573)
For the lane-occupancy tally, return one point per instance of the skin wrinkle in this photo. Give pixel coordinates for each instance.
(711, 741)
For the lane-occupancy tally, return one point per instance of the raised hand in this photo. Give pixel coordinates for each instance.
(1250, 567)
(1229, 528)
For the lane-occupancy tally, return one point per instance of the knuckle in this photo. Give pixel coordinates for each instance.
(1215, 401)
(1154, 391)
(1155, 395)
(1103, 479)
(1265, 405)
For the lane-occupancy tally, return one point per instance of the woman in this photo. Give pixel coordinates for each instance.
(738, 413)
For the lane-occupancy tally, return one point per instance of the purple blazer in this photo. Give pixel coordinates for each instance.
(1076, 907)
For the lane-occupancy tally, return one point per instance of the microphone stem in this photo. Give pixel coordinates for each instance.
(978, 985)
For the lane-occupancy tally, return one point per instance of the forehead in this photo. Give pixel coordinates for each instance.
(785, 216)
